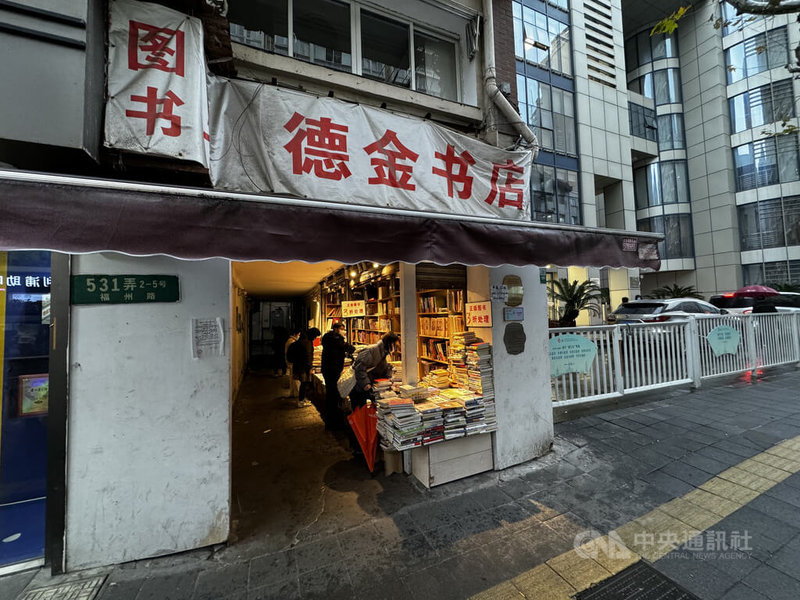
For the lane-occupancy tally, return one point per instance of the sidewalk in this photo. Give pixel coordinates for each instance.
(714, 460)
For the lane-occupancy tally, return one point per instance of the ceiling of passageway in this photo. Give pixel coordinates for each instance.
(281, 280)
(639, 13)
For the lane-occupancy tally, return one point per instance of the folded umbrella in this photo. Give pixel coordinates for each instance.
(364, 422)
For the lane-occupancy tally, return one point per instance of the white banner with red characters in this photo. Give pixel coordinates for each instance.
(157, 101)
(267, 139)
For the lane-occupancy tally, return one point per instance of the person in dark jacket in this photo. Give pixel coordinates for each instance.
(334, 350)
(370, 364)
(301, 355)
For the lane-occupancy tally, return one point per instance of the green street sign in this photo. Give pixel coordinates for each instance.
(124, 289)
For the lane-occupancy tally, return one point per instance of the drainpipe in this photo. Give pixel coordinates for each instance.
(490, 83)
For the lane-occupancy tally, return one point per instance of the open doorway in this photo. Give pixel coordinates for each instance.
(293, 479)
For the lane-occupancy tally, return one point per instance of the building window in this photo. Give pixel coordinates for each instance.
(756, 54)
(323, 32)
(772, 273)
(555, 195)
(731, 22)
(384, 50)
(766, 162)
(542, 40)
(658, 183)
(759, 106)
(670, 132)
(677, 230)
(770, 223)
(664, 86)
(642, 121)
(550, 111)
(642, 49)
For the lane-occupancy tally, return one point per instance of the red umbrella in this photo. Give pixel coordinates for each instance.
(755, 291)
(364, 422)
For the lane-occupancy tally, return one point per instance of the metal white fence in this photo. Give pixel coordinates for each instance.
(648, 356)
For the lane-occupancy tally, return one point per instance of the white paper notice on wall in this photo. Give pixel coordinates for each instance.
(208, 337)
(500, 292)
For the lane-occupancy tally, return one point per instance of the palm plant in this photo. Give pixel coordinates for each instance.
(576, 296)
(676, 291)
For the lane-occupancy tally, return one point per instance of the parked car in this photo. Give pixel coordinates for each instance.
(658, 311)
(783, 302)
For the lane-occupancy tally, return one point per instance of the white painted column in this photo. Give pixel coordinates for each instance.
(522, 381)
(149, 426)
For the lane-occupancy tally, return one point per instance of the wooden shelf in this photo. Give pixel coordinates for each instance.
(439, 314)
(435, 337)
(436, 360)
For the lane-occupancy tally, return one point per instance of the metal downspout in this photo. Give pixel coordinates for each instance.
(490, 83)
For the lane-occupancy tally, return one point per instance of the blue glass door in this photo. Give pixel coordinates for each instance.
(24, 355)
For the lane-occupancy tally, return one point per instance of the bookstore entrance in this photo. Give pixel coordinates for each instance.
(295, 473)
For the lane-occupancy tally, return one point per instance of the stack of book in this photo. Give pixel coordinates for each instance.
(457, 355)
(399, 424)
(479, 369)
(438, 378)
(383, 389)
(397, 370)
(455, 421)
(475, 412)
(416, 392)
(432, 422)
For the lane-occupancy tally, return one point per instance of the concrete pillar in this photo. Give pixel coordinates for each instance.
(522, 381)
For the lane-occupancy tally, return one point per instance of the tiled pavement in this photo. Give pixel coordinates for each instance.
(713, 459)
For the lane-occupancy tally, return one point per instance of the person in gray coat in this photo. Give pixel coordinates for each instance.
(370, 364)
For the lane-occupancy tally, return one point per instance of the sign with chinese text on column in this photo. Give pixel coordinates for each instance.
(479, 314)
(354, 308)
(269, 139)
(157, 101)
(124, 289)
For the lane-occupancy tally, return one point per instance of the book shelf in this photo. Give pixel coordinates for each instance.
(440, 314)
(381, 296)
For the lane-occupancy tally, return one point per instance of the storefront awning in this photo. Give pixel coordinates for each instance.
(79, 215)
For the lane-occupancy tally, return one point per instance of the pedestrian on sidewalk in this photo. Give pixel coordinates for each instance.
(334, 350)
(294, 335)
(301, 355)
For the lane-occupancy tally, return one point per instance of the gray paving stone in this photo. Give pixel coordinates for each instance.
(773, 583)
(12, 585)
(686, 473)
(176, 586)
(314, 555)
(785, 492)
(221, 582)
(271, 568)
(742, 592)
(709, 465)
(281, 590)
(126, 589)
(726, 458)
(698, 576)
(777, 509)
(330, 582)
(667, 483)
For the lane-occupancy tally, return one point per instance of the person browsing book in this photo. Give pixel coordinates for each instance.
(370, 364)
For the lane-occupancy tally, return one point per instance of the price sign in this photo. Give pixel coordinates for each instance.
(354, 308)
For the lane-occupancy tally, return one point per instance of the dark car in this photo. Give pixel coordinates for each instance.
(783, 302)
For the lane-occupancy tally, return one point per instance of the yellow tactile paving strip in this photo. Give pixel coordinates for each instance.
(656, 533)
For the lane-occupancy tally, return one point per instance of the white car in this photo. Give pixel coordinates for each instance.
(661, 310)
(783, 302)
